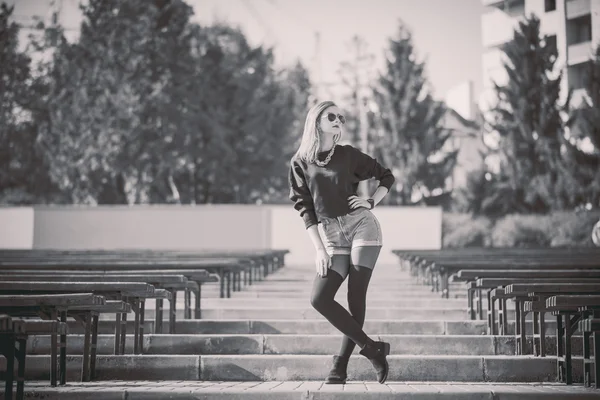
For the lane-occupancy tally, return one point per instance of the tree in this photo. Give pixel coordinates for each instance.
(23, 172)
(245, 113)
(408, 133)
(527, 118)
(109, 119)
(356, 75)
(585, 125)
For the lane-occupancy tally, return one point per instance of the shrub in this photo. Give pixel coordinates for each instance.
(517, 230)
(469, 233)
(573, 229)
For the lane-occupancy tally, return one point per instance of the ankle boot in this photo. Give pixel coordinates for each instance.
(376, 352)
(338, 373)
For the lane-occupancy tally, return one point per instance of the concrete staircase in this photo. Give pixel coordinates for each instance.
(267, 342)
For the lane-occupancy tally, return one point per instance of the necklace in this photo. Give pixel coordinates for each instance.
(327, 159)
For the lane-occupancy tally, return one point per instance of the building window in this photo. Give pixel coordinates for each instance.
(549, 5)
(579, 30)
(551, 42)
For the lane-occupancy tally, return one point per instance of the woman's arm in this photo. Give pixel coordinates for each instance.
(322, 258)
(366, 167)
(300, 195)
(315, 238)
(379, 194)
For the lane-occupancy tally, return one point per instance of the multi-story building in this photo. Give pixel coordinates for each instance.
(573, 25)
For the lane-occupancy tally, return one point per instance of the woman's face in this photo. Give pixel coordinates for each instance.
(331, 121)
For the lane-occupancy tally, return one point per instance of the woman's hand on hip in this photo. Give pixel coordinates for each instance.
(322, 262)
(356, 202)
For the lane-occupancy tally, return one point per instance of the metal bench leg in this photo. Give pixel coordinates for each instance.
(560, 349)
(9, 353)
(470, 309)
(568, 361)
(22, 355)
(187, 301)
(173, 311)
(54, 352)
(597, 359)
(490, 320)
(158, 317)
(504, 317)
(523, 332)
(197, 298)
(536, 331)
(142, 307)
(586, 357)
(63, 352)
(222, 283)
(94, 346)
(123, 333)
(228, 284)
(542, 334)
(518, 327)
(118, 317)
(479, 304)
(85, 371)
(136, 325)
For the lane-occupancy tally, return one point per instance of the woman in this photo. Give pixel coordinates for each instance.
(323, 180)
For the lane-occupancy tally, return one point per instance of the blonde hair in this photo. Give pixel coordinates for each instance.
(311, 137)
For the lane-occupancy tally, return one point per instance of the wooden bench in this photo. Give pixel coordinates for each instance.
(170, 282)
(133, 293)
(487, 284)
(470, 276)
(256, 263)
(195, 279)
(13, 345)
(51, 307)
(224, 268)
(437, 265)
(522, 292)
(591, 328)
(569, 310)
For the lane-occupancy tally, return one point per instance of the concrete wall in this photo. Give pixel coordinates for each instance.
(201, 227)
(152, 227)
(16, 227)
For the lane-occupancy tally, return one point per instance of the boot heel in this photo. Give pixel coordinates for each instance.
(386, 348)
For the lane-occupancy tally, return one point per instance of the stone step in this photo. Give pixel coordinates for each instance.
(415, 301)
(322, 326)
(396, 313)
(301, 344)
(317, 326)
(305, 390)
(108, 326)
(305, 367)
(373, 295)
(306, 289)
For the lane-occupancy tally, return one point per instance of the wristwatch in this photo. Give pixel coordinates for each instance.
(372, 203)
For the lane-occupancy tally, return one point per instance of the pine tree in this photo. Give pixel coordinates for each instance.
(527, 118)
(409, 137)
(585, 165)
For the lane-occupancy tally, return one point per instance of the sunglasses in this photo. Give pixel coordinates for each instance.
(331, 117)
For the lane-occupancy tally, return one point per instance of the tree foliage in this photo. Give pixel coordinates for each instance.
(148, 107)
(409, 133)
(533, 175)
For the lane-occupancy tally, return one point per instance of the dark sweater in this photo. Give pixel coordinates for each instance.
(323, 191)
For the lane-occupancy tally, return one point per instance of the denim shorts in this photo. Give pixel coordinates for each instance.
(357, 228)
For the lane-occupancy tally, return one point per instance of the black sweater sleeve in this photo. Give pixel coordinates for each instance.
(300, 195)
(367, 167)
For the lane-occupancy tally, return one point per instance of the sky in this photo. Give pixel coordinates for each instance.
(446, 33)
